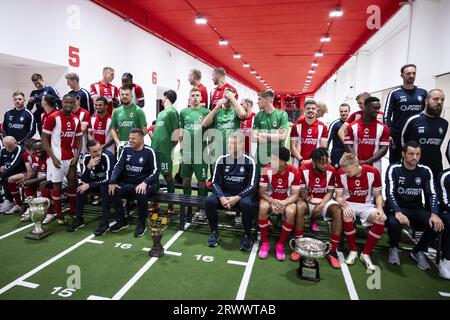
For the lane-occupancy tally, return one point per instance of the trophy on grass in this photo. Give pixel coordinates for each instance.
(309, 250)
(157, 226)
(38, 212)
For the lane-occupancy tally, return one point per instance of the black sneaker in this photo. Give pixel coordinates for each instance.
(120, 225)
(213, 240)
(140, 230)
(102, 229)
(76, 224)
(246, 243)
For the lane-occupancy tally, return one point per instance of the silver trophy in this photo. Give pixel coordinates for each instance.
(38, 212)
(309, 250)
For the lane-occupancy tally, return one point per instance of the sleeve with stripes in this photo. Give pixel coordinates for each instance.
(444, 189)
(118, 168)
(430, 190)
(390, 187)
(31, 130)
(152, 163)
(17, 160)
(389, 109)
(217, 178)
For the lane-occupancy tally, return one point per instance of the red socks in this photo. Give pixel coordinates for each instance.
(56, 196)
(298, 233)
(15, 193)
(285, 232)
(349, 231)
(263, 228)
(29, 192)
(72, 194)
(335, 242)
(373, 235)
(46, 194)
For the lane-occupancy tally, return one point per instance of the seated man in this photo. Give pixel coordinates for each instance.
(97, 168)
(134, 174)
(356, 187)
(278, 192)
(317, 189)
(234, 182)
(11, 163)
(444, 191)
(405, 183)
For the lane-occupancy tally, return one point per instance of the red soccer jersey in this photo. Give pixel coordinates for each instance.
(246, 127)
(108, 91)
(100, 127)
(204, 95)
(359, 189)
(44, 117)
(358, 114)
(83, 115)
(62, 130)
(217, 94)
(40, 164)
(137, 93)
(28, 157)
(317, 184)
(307, 137)
(278, 185)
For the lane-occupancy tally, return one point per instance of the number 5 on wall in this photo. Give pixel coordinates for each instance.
(74, 57)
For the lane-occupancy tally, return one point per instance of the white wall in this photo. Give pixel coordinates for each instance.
(7, 81)
(103, 39)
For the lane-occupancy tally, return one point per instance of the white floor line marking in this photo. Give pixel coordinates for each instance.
(45, 264)
(27, 284)
(96, 241)
(431, 254)
(92, 297)
(248, 272)
(348, 278)
(239, 263)
(146, 266)
(15, 231)
(444, 294)
(170, 253)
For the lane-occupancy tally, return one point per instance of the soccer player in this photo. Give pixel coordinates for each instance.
(367, 137)
(405, 183)
(84, 117)
(36, 98)
(19, 122)
(73, 81)
(402, 103)
(357, 186)
(97, 169)
(194, 78)
(136, 92)
(99, 128)
(429, 129)
(58, 135)
(11, 163)
(444, 192)
(134, 174)
(50, 104)
(234, 183)
(317, 183)
(106, 89)
(247, 124)
(125, 118)
(307, 134)
(219, 80)
(193, 145)
(270, 128)
(338, 146)
(279, 190)
(165, 138)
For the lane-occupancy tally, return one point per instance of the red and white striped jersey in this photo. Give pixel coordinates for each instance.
(359, 189)
(44, 117)
(358, 114)
(108, 91)
(100, 127)
(317, 184)
(40, 164)
(307, 137)
(278, 185)
(217, 94)
(83, 115)
(62, 130)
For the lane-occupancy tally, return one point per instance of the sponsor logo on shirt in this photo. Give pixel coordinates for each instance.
(130, 168)
(430, 141)
(413, 107)
(308, 141)
(234, 179)
(15, 126)
(409, 191)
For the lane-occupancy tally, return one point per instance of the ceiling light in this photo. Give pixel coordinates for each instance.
(201, 20)
(312, 71)
(318, 54)
(309, 77)
(246, 65)
(336, 12)
(253, 72)
(325, 38)
(237, 55)
(314, 64)
(261, 80)
(258, 77)
(223, 42)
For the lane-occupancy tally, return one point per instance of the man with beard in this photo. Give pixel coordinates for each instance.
(338, 146)
(19, 122)
(194, 78)
(429, 129)
(219, 80)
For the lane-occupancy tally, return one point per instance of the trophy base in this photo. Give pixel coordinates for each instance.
(308, 270)
(156, 252)
(38, 236)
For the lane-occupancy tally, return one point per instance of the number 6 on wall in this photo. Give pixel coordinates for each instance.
(74, 57)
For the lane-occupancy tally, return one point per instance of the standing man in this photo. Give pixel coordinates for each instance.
(61, 130)
(19, 122)
(402, 103)
(135, 174)
(405, 183)
(99, 128)
(73, 81)
(165, 138)
(125, 118)
(429, 129)
(84, 116)
(338, 146)
(270, 128)
(136, 91)
(444, 200)
(247, 124)
(219, 80)
(36, 98)
(234, 183)
(193, 143)
(368, 138)
(194, 78)
(307, 134)
(106, 89)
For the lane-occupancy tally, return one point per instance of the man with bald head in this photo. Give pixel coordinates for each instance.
(11, 162)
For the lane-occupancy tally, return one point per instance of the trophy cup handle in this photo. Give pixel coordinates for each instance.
(48, 202)
(290, 244)
(328, 248)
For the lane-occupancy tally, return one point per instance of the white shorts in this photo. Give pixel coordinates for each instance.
(57, 175)
(363, 210)
(324, 210)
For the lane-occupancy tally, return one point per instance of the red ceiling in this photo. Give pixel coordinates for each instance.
(277, 38)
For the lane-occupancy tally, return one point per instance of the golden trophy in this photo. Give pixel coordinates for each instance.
(157, 226)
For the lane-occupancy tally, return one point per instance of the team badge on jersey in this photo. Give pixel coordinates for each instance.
(128, 157)
(131, 115)
(309, 131)
(241, 169)
(366, 130)
(200, 118)
(10, 118)
(418, 180)
(358, 183)
(141, 160)
(275, 123)
(21, 119)
(227, 169)
(441, 131)
(420, 98)
(280, 181)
